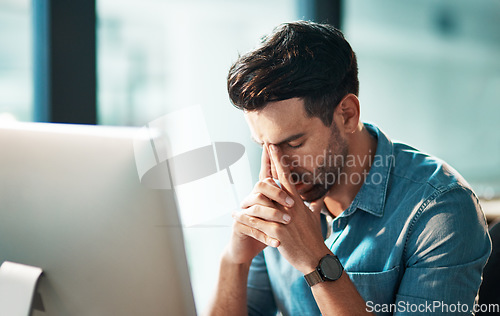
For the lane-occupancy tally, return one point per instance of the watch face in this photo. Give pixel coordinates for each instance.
(331, 268)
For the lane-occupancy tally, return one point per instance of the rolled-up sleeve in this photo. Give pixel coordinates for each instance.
(445, 252)
(260, 299)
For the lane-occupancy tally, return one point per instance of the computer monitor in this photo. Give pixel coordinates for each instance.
(71, 203)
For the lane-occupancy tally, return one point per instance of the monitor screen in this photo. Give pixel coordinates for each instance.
(71, 203)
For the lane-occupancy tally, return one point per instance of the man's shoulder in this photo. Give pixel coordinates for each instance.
(419, 181)
(417, 168)
(411, 167)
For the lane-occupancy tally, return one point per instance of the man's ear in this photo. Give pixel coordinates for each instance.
(347, 113)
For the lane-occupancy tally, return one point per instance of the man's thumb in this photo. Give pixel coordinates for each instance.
(316, 206)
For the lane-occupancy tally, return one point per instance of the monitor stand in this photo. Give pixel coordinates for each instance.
(17, 287)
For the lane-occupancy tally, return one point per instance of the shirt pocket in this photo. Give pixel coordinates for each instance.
(376, 287)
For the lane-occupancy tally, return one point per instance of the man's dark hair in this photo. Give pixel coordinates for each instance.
(297, 60)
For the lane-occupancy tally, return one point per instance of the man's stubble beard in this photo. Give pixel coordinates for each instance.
(329, 172)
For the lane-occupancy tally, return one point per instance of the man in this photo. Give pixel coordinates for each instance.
(405, 231)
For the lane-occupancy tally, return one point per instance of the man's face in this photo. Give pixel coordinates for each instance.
(313, 152)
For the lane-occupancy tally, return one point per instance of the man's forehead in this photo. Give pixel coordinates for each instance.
(278, 122)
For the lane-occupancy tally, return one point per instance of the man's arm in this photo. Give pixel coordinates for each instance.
(246, 242)
(301, 243)
(446, 250)
(230, 295)
(339, 297)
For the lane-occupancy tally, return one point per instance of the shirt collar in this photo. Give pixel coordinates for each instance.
(371, 197)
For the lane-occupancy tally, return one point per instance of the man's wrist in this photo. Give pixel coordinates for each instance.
(329, 268)
(313, 261)
(228, 259)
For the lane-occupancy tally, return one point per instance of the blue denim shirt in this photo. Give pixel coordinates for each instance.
(414, 237)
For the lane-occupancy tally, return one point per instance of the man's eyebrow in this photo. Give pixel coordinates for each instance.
(290, 139)
(286, 140)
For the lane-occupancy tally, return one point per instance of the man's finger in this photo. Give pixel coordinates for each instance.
(282, 170)
(256, 234)
(265, 164)
(316, 207)
(274, 173)
(269, 214)
(264, 193)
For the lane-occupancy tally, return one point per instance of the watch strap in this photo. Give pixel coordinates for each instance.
(313, 278)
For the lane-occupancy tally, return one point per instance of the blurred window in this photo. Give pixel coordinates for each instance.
(16, 79)
(155, 56)
(430, 76)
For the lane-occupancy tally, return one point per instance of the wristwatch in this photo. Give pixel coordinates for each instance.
(328, 269)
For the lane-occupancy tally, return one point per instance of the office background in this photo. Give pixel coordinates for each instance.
(429, 71)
